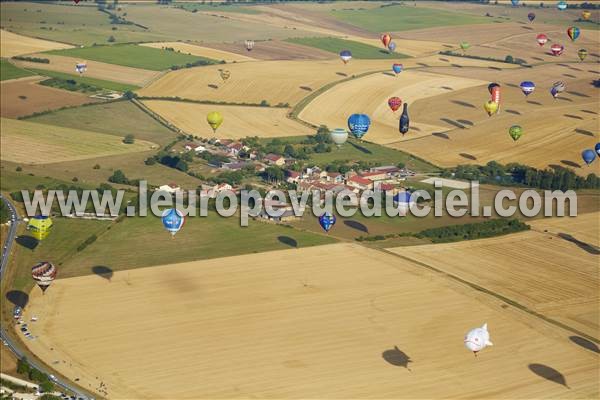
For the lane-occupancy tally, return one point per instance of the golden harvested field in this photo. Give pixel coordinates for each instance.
(276, 50)
(188, 48)
(37, 98)
(335, 321)
(252, 82)
(32, 143)
(238, 121)
(555, 274)
(95, 69)
(12, 44)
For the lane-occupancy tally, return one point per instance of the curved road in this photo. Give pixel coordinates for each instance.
(10, 238)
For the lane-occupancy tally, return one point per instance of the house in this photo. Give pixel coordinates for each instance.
(274, 159)
(359, 182)
(171, 188)
(384, 187)
(213, 190)
(293, 177)
(388, 169)
(224, 142)
(235, 148)
(195, 147)
(334, 177)
(375, 176)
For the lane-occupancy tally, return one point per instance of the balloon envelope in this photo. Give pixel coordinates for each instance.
(40, 226)
(557, 49)
(557, 88)
(327, 221)
(588, 156)
(224, 74)
(43, 273)
(173, 220)
(249, 44)
(392, 46)
(397, 68)
(531, 16)
(345, 55)
(465, 45)
(582, 53)
(586, 15)
(386, 39)
(515, 2)
(81, 67)
(214, 119)
(395, 103)
(573, 33)
(339, 136)
(597, 148)
(359, 124)
(562, 5)
(515, 132)
(490, 107)
(541, 39)
(527, 87)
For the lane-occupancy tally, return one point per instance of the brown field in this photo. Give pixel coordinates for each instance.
(38, 98)
(316, 322)
(554, 276)
(238, 121)
(8, 361)
(273, 81)
(95, 69)
(12, 44)
(32, 143)
(188, 48)
(275, 50)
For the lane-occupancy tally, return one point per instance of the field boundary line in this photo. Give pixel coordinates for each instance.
(492, 293)
(158, 118)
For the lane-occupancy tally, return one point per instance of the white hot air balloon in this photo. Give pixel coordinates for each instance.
(339, 136)
(478, 339)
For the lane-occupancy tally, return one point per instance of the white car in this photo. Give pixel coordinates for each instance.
(52, 378)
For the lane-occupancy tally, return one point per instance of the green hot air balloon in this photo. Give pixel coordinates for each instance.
(515, 132)
(464, 46)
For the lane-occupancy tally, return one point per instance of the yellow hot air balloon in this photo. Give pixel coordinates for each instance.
(586, 15)
(214, 119)
(582, 53)
(491, 107)
(224, 74)
(40, 226)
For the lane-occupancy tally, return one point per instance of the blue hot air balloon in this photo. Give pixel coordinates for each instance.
(588, 156)
(514, 2)
(531, 16)
(173, 220)
(597, 148)
(346, 56)
(527, 87)
(392, 46)
(397, 68)
(327, 221)
(359, 125)
(562, 5)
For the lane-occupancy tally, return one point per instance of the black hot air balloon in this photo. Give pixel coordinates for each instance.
(404, 120)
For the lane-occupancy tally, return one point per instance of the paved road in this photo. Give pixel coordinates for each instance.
(10, 238)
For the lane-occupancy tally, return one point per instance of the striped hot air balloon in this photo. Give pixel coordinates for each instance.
(327, 221)
(541, 39)
(395, 103)
(527, 87)
(346, 56)
(573, 33)
(557, 49)
(43, 273)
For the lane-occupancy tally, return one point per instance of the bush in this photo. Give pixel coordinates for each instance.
(130, 95)
(46, 387)
(32, 59)
(87, 242)
(19, 169)
(75, 179)
(490, 228)
(509, 59)
(129, 139)
(111, 39)
(118, 177)
(97, 166)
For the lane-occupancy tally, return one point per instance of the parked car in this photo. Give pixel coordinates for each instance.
(17, 312)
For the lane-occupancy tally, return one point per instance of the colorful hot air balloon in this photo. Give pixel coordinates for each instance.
(40, 227)
(464, 46)
(582, 53)
(327, 221)
(585, 14)
(557, 88)
(597, 148)
(588, 156)
(491, 107)
(573, 33)
(338, 136)
(557, 49)
(541, 39)
(214, 119)
(395, 103)
(515, 2)
(346, 56)
(392, 47)
(494, 90)
(527, 87)
(386, 39)
(404, 124)
(397, 68)
(173, 220)
(81, 67)
(531, 16)
(515, 132)
(249, 44)
(224, 74)
(43, 273)
(359, 125)
(562, 5)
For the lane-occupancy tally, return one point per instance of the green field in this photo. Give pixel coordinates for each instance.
(227, 7)
(117, 86)
(9, 71)
(131, 55)
(396, 18)
(335, 45)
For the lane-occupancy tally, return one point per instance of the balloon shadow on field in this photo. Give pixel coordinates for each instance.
(584, 132)
(465, 122)
(453, 123)
(572, 116)
(534, 102)
(103, 272)
(589, 112)
(527, 27)
(27, 241)
(495, 68)
(537, 59)
(360, 148)
(306, 88)
(341, 74)
(414, 128)
(549, 373)
(515, 112)
(388, 74)
(564, 65)
(596, 83)
(570, 163)
(18, 298)
(468, 156)
(446, 87)
(441, 135)
(356, 225)
(423, 64)
(456, 65)
(512, 85)
(463, 103)
(578, 94)
(212, 86)
(397, 357)
(565, 99)
(444, 59)
(569, 76)
(586, 344)
(575, 69)
(448, 46)
(288, 241)
(582, 245)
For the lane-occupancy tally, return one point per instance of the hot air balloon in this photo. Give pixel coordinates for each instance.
(338, 136)
(478, 339)
(43, 273)
(514, 2)
(541, 39)
(327, 221)
(224, 74)
(515, 132)
(173, 220)
(392, 47)
(394, 103)
(346, 56)
(397, 68)
(464, 46)
(81, 67)
(531, 16)
(557, 88)
(249, 44)
(214, 119)
(582, 53)
(494, 90)
(597, 148)
(585, 14)
(527, 87)
(588, 156)
(491, 107)
(573, 33)
(386, 39)
(557, 49)
(562, 5)
(359, 125)
(40, 227)
(404, 123)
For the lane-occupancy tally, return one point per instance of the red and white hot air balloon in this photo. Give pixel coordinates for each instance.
(557, 49)
(541, 39)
